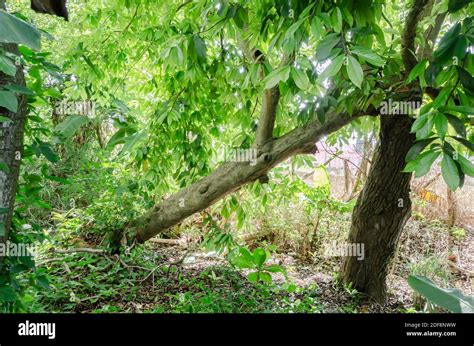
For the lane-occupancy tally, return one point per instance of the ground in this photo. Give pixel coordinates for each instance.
(150, 279)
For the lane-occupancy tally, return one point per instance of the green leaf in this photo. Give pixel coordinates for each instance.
(431, 72)
(446, 45)
(441, 98)
(278, 75)
(117, 138)
(456, 5)
(425, 162)
(290, 287)
(43, 282)
(465, 142)
(132, 141)
(14, 30)
(253, 277)
(419, 123)
(292, 29)
(2, 229)
(19, 89)
(368, 55)
(245, 253)
(460, 47)
(243, 262)
(241, 18)
(200, 48)
(441, 124)
(425, 130)
(450, 299)
(354, 71)
(417, 148)
(7, 293)
(466, 165)
(260, 255)
(417, 71)
(325, 46)
(274, 268)
(5, 120)
(300, 78)
(457, 124)
(336, 20)
(317, 27)
(9, 101)
(333, 68)
(7, 66)
(467, 81)
(48, 153)
(460, 109)
(71, 125)
(450, 172)
(266, 277)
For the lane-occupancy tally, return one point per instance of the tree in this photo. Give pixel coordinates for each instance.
(13, 111)
(341, 52)
(384, 205)
(274, 77)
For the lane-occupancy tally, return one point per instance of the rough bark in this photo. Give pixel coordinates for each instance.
(231, 176)
(11, 146)
(384, 205)
(408, 39)
(382, 209)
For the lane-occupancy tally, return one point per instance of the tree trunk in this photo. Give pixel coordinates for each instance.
(382, 209)
(11, 147)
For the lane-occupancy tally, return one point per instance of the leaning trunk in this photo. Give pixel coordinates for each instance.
(228, 178)
(382, 209)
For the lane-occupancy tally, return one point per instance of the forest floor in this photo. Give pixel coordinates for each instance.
(150, 279)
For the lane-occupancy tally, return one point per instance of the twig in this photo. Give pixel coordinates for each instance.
(80, 249)
(166, 241)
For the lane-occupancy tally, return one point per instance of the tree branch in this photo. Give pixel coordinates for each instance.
(271, 98)
(431, 34)
(409, 33)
